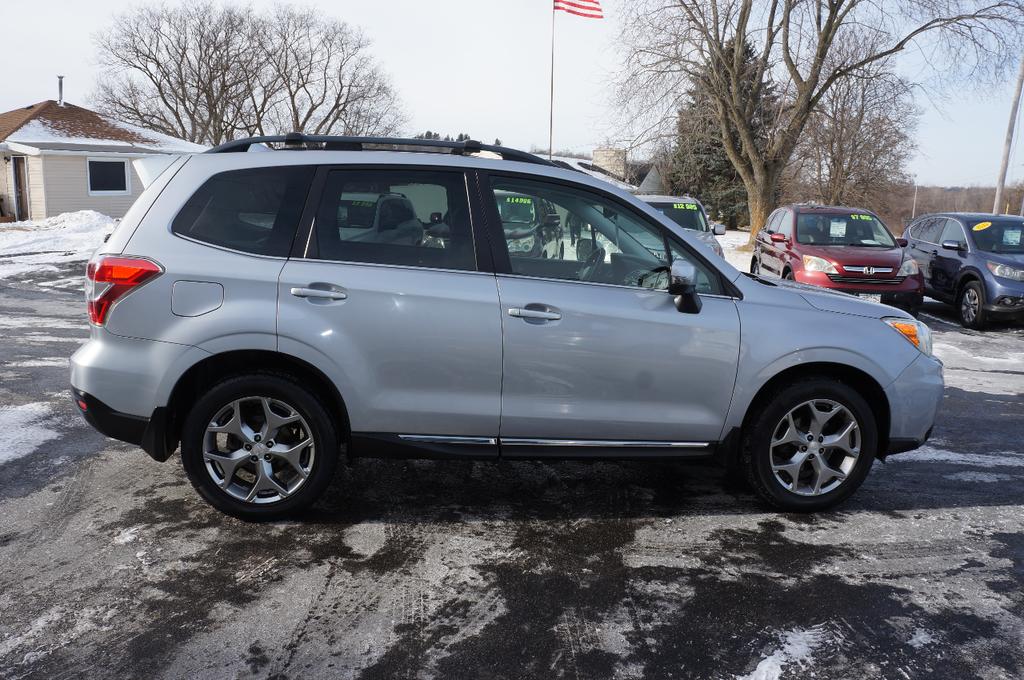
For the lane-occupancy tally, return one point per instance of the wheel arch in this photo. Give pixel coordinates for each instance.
(216, 367)
(861, 381)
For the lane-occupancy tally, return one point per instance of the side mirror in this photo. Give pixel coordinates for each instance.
(778, 238)
(682, 285)
(952, 245)
(719, 229)
(584, 247)
(902, 242)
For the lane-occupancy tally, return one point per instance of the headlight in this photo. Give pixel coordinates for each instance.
(908, 268)
(1005, 271)
(521, 245)
(819, 264)
(914, 331)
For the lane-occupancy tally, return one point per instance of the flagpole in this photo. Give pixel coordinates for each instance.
(551, 102)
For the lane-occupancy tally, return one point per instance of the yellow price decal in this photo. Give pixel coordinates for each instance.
(519, 199)
(981, 226)
(685, 206)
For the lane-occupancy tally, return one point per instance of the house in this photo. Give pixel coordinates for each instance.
(56, 157)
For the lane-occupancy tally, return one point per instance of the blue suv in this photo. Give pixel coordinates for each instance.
(974, 261)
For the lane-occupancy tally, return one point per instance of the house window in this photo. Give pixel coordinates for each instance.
(108, 178)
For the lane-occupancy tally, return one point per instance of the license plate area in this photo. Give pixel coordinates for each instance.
(873, 297)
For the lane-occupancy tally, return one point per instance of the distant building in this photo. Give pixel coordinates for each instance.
(56, 157)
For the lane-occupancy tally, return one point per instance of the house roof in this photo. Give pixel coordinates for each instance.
(52, 126)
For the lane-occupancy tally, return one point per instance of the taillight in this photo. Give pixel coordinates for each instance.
(109, 278)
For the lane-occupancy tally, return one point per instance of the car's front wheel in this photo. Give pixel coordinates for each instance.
(971, 306)
(259, 447)
(811, 446)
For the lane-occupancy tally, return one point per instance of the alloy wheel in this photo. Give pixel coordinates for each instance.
(258, 450)
(815, 447)
(970, 303)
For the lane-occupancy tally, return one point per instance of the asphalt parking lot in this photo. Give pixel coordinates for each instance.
(112, 565)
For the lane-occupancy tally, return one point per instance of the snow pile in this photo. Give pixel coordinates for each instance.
(797, 648)
(41, 245)
(731, 243)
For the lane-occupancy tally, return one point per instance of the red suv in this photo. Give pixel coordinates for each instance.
(846, 249)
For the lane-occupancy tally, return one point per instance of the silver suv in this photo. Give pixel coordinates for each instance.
(270, 312)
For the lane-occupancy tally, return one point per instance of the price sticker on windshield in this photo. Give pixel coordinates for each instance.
(521, 200)
(1011, 237)
(866, 218)
(362, 204)
(981, 226)
(685, 206)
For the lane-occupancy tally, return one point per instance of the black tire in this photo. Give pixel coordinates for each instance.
(756, 451)
(788, 275)
(755, 268)
(275, 386)
(980, 318)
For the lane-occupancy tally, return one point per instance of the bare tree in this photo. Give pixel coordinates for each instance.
(208, 72)
(181, 71)
(319, 78)
(674, 43)
(857, 143)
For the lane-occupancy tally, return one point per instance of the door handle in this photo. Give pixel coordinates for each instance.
(521, 313)
(319, 293)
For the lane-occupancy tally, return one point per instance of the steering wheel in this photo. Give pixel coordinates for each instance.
(589, 267)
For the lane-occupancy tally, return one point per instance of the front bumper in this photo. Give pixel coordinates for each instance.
(1004, 297)
(911, 285)
(914, 400)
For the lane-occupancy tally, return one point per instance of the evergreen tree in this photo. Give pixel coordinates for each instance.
(698, 164)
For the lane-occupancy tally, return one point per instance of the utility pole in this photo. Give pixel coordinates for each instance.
(913, 211)
(997, 207)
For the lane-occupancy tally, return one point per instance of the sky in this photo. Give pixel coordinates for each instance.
(482, 67)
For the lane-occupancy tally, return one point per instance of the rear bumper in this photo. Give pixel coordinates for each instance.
(149, 433)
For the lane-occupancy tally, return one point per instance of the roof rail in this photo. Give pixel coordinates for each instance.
(295, 140)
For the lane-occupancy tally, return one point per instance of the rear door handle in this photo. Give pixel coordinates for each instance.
(319, 293)
(523, 313)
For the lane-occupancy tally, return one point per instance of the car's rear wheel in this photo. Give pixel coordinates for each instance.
(970, 306)
(811, 446)
(259, 447)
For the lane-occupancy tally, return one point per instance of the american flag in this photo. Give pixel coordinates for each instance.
(589, 9)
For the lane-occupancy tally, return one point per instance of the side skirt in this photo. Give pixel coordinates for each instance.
(391, 445)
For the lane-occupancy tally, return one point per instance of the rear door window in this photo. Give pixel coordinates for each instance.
(928, 230)
(255, 210)
(416, 218)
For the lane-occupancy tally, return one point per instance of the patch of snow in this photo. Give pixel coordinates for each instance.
(126, 536)
(60, 362)
(982, 477)
(920, 638)
(25, 428)
(929, 454)
(39, 131)
(797, 648)
(40, 245)
(731, 243)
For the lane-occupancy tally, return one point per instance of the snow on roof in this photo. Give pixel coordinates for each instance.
(589, 168)
(53, 125)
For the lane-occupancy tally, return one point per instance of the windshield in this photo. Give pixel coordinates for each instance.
(1000, 236)
(837, 229)
(686, 215)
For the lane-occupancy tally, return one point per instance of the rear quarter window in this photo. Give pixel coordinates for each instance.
(255, 210)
